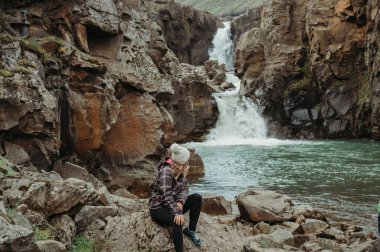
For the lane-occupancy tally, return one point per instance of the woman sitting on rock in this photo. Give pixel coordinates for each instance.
(170, 199)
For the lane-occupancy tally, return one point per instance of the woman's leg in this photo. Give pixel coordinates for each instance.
(378, 223)
(163, 216)
(194, 204)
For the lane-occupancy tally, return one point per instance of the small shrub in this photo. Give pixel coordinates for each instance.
(82, 244)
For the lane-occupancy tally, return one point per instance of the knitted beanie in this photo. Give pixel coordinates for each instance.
(180, 154)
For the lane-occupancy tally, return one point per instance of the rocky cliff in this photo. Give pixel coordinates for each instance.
(312, 66)
(80, 80)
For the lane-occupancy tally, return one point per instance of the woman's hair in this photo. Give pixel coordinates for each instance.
(178, 169)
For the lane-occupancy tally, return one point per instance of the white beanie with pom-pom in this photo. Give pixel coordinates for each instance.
(180, 154)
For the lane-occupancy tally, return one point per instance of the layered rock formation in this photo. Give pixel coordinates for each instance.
(189, 33)
(312, 66)
(95, 82)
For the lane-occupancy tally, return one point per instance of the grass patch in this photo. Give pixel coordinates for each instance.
(43, 234)
(6, 170)
(82, 244)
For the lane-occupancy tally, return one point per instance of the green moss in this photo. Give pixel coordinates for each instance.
(43, 234)
(6, 73)
(6, 169)
(82, 244)
(305, 69)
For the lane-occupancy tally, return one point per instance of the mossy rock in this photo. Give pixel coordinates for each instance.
(6, 73)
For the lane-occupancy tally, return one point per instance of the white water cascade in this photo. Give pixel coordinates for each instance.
(239, 119)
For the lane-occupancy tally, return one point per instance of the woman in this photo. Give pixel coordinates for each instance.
(170, 199)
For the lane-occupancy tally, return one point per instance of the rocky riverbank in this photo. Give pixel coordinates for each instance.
(66, 208)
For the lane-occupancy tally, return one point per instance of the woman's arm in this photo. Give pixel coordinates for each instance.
(182, 195)
(166, 178)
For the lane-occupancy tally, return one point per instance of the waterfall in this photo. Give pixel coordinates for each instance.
(239, 119)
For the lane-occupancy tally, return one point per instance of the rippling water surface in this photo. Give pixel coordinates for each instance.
(339, 178)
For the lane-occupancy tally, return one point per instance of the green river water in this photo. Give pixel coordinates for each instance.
(339, 178)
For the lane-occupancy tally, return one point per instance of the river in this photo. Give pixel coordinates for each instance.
(339, 178)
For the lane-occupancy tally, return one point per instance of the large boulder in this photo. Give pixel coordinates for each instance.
(266, 206)
(121, 233)
(89, 214)
(48, 194)
(215, 205)
(16, 238)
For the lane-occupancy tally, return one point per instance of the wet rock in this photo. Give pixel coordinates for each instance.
(88, 214)
(266, 206)
(50, 245)
(215, 205)
(65, 229)
(307, 211)
(227, 86)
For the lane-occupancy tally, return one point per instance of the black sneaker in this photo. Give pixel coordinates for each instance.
(193, 236)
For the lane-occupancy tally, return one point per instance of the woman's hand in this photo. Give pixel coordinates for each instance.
(180, 205)
(179, 219)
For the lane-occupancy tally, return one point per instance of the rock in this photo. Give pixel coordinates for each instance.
(127, 206)
(311, 247)
(16, 238)
(277, 238)
(188, 32)
(125, 194)
(50, 245)
(262, 228)
(15, 153)
(308, 212)
(68, 170)
(196, 165)
(266, 206)
(227, 86)
(88, 214)
(22, 221)
(65, 229)
(153, 237)
(215, 205)
(313, 226)
(50, 197)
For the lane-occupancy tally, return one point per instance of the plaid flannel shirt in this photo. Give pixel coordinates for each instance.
(168, 190)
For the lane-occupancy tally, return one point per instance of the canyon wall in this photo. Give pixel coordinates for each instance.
(80, 81)
(312, 66)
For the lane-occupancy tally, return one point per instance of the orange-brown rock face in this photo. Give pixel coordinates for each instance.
(78, 79)
(305, 63)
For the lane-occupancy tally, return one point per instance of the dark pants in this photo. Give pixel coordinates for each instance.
(163, 216)
(378, 223)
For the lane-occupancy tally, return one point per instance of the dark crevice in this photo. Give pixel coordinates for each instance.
(66, 147)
